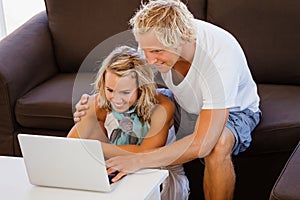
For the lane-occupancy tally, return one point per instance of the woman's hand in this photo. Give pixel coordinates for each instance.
(81, 106)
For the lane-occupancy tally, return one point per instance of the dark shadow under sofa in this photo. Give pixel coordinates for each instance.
(41, 66)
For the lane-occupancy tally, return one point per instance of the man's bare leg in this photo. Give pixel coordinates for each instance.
(219, 175)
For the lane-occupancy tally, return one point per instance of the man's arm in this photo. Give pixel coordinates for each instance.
(81, 107)
(209, 127)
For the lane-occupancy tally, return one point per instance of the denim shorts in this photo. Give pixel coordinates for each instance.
(241, 124)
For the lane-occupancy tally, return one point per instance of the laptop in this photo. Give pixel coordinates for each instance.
(65, 162)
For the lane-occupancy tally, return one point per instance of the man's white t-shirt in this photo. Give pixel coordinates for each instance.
(219, 76)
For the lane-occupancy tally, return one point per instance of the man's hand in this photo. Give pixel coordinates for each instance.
(124, 165)
(116, 177)
(81, 106)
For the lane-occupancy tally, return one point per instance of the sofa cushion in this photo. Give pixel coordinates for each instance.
(197, 8)
(49, 106)
(279, 129)
(269, 33)
(78, 26)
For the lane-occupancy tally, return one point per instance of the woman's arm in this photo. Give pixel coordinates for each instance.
(92, 125)
(161, 122)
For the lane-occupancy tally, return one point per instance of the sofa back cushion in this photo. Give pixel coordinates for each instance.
(269, 32)
(77, 26)
(197, 8)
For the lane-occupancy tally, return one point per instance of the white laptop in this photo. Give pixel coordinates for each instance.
(65, 162)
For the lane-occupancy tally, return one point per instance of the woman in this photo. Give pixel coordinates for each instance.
(127, 112)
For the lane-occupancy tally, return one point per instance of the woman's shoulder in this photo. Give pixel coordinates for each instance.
(163, 111)
(165, 102)
(164, 95)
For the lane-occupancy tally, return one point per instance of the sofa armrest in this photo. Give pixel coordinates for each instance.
(26, 60)
(26, 57)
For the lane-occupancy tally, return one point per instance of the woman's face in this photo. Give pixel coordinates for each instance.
(122, 92)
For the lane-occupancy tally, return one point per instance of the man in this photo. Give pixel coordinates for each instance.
(206, 69)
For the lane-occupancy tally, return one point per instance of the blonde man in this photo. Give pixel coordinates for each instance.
(206, 69)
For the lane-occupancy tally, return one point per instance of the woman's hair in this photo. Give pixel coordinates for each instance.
(126, 61)
(170, 20)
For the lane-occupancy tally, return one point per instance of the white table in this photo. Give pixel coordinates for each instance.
(14, 185)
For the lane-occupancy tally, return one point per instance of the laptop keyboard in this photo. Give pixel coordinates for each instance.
(111, 176)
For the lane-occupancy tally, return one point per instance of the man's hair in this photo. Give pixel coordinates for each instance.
(170, 20)
(126, 61)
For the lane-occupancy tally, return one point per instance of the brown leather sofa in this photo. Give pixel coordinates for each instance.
(289, 176)
(40, 65)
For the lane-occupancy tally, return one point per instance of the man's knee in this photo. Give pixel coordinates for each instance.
(223, 148)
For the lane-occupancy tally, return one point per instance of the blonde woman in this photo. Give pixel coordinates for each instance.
(129, 116)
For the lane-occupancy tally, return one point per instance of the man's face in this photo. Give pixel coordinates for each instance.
(161, 57)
